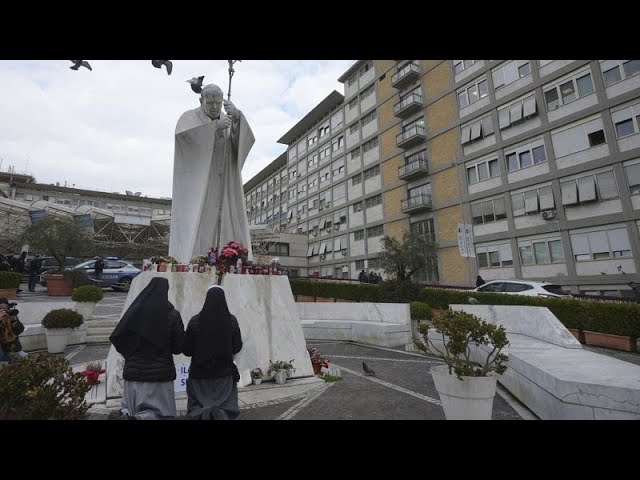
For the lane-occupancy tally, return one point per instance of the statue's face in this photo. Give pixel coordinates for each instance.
(211, 104)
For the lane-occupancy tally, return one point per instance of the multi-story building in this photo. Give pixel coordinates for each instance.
(542, 157)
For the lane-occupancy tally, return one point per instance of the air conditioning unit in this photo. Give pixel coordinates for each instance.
(549, 214)
(314, 234)
(344, 253)
(336, 226)
(320, 208)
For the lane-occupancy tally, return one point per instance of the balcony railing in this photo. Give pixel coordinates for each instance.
(405, 76)
(414, 169)
(411, 137)
(408, 105)
(414, 204)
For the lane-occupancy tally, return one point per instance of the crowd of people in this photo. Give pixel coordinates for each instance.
(371, 277)
(148, 335)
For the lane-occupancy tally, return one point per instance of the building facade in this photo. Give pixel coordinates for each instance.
(540, 156)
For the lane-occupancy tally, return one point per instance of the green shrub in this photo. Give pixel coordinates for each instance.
(62, 318)
(612, 318)
(420, 311)
(10, 280)
(346, 291)
(399, 291)
(42, 387)
(87, 293)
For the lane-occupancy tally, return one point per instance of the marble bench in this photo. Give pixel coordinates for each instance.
(550, 372)
(382, 324)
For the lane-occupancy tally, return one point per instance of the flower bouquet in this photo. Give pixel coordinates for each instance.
(93, 372)
(317, 360)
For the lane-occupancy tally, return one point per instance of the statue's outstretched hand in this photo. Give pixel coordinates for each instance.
(231, 109)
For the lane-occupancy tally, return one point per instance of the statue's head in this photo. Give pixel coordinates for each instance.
(211, 100)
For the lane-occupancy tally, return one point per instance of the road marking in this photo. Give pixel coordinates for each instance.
(391, 385)
(425, 360)
(73, 354)
(294, 409)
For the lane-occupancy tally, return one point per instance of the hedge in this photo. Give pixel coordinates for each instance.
(346, 291)
(613, 318)
(10, 280)
(420, 311)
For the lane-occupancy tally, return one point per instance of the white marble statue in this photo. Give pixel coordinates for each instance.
(211, 147)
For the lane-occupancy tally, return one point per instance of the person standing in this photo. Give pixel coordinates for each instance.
(479, 281)
(148, 335)
(34, 271)
(212, 339)
(10, 328)
(98, 268)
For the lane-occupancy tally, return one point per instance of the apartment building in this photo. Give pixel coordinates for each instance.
(551, 169)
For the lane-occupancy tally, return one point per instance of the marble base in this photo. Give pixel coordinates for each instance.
(263, 305)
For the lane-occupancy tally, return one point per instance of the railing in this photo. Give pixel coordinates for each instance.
(413, 167)
(417, 131)
(405, 73)
(422, 200)
(409, 100)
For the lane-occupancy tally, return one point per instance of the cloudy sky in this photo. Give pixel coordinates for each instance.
(112, 129)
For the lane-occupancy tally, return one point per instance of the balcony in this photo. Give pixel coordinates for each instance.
(408, 105)
(411, 137)
(405, 76)
(415, 169)
(416, 204)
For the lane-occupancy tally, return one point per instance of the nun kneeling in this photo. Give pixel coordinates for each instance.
(212, 339)
(148, 335)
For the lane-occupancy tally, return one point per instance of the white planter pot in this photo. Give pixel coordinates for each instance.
(468, 399)
(280, 377)
(256, 381)
(86, 309)
(57, 339)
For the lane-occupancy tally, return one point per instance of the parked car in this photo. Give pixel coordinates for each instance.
(524, 287)
(50, 263)
(117, 274)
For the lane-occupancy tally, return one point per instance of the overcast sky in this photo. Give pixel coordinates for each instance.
(112, 129)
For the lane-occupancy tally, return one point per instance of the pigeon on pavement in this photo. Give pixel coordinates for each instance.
(367, 370)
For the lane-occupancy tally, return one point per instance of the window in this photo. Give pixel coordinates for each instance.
(425, 228)
(358, 235)
(601, 186)
(472, 93)
(313, 160)
(369, 117)
(324, 130)
(494, 256)
(353, 129)
(568, 89)
(526, 156)
(578, 137)
(325, 174)
(359, 264)
(614, 71)
(371, 172)
(601, 245)
(313, 139)
(356, 179)
(532, 201)
(460, 65)
(339, 191)
(541, 252)
(371, 144)
(477, 130)
(338, 167)
(488, 211)
(354, 153)
(352, 80)
(337, 143)
(326, 152)
(357, 207)
(373, 201)
(367, 91)
(510, 72)
(376, 231)
(483, 171)
(517, 111)
(633, 177)
(626, 120)
(353, 103)
(336, 120)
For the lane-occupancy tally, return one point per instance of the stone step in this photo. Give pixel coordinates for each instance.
(102, 323)
(92, 331)
(97, 339)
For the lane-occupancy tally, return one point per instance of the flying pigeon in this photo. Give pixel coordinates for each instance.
(80, 63)
(196, 84)
(473, 301)
(166, 63)
(367, 370)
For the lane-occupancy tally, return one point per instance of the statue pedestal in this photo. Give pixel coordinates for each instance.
(263, 305)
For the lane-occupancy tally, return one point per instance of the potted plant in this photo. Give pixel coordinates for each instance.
(466, 385)
(9, 284)
(86, 298)
(42, 387)
(280, 370)
(317, 360)
(58, 325)
(256, 376)
(58, 237)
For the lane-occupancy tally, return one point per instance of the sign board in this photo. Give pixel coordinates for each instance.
(465, 240)
(37, 215)
(182, 373)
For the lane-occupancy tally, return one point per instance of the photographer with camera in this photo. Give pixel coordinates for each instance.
(10, 328)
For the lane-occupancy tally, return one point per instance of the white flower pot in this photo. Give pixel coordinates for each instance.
(86, 309)
(468, 399)
(257, 381)
(280, 377)
(57, 339)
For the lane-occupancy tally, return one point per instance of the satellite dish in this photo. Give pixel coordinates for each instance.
(137, 194)
(128, 192)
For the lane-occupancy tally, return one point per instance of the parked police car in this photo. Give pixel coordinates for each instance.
(117, 274)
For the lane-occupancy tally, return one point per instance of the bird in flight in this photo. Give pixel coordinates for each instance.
(196, 84)
(166, 63)
(367, 371)
(80, 63)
